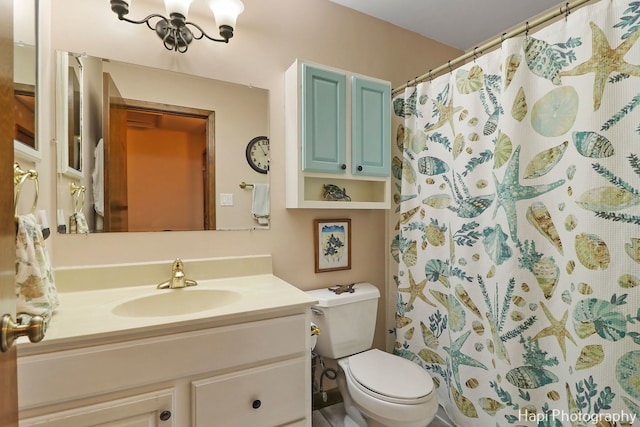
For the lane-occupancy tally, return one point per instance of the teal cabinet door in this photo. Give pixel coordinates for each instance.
(323, 120)
(370, 127)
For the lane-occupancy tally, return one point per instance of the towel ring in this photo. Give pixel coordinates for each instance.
(78, 194)
(19, 177)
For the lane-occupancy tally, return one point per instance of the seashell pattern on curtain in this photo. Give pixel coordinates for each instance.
(518, 235)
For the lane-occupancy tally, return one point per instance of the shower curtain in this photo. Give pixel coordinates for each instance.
(518, 233)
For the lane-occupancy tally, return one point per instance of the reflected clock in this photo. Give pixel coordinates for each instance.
(258, 154)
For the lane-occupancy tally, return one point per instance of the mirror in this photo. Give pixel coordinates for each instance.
(24, 79)
(145, 149)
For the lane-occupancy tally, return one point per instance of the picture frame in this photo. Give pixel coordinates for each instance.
(332, 242)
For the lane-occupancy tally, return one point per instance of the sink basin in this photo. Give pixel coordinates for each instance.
(175, 302)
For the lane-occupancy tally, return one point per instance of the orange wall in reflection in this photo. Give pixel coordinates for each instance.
(165, 181)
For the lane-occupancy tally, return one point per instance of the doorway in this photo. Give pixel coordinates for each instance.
(170, 176)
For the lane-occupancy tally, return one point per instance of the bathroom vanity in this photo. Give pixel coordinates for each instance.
(237, 353)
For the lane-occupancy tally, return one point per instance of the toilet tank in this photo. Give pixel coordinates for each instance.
(347, 321)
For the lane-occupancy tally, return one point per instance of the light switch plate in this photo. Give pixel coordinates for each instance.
(226, 199)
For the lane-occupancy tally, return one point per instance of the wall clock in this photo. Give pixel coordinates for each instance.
(258, 154)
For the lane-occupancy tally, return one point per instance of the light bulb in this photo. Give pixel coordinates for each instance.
(226, 11)
(177, 6)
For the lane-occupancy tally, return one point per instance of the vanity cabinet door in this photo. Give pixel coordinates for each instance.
(370, 127)
(265, 396)
(155, 409)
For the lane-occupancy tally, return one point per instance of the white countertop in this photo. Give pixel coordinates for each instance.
(85, 318)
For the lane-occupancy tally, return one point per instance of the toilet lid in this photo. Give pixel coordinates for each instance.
(391, 376)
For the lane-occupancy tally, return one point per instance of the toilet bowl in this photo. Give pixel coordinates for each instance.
(387, 390)
(378, 388)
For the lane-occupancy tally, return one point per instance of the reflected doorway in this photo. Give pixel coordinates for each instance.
(169, 178)
(25, 114)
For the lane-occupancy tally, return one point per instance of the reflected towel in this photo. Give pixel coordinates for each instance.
(98, 178)
(78, 223)
(35, 286)
(260, 203)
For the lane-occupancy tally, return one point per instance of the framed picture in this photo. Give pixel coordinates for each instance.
(332, 238)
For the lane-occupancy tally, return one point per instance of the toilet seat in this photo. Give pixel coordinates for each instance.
(390, 378)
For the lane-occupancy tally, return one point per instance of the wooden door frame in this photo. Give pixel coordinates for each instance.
(115, 164)
(8, 363)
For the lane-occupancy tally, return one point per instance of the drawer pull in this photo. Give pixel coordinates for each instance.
(360, 168)
(343, 166)
(256, 404)
(165, 415)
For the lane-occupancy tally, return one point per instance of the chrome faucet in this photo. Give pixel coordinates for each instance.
(178, 279)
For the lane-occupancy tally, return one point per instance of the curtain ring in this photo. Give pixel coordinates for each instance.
(567, 11)
(502, 37)
(475, 55)
(430, 77)
(526, 32)
(449, 65)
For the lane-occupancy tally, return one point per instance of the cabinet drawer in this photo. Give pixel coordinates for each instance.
(266, 396)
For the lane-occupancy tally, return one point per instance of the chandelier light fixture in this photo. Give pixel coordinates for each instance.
(176, 32)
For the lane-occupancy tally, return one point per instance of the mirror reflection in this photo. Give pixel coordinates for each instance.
(69, 113)
(24, 78)
(155, 150)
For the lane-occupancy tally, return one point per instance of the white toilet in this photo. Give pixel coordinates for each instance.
(378, 388)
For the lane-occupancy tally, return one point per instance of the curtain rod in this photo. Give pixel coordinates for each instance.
(564, 10)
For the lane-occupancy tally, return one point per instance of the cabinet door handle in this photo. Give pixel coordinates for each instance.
(359, 168)
(165, 415)
(343, 166)
(256, 404)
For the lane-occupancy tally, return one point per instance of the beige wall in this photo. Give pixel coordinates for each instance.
(270, 35)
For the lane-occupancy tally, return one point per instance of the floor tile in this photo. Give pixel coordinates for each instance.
(333, 416)
(318, 420)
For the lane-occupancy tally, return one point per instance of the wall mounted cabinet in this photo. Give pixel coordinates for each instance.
(338, 132)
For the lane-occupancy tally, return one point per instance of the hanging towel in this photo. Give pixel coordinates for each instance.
(35, 286)
(78, 223)
(98, 178)
(260, 203)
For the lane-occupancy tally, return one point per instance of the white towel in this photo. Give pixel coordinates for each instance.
(35, 286)
(98, 178)
(260, 203)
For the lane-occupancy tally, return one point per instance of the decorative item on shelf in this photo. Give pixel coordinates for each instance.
(174, 31)
(332, 238)
(257, 154)
(334, 193)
